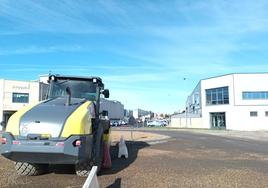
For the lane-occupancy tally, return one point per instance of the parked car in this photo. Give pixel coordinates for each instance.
(155, 123)
(122, 122)
(164, 122)
(114, 123)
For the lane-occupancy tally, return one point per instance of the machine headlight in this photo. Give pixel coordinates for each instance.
(53, 78)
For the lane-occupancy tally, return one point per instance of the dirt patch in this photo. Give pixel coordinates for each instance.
(8, 176)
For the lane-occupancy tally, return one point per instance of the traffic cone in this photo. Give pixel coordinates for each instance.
(122, 151)
(106, 161)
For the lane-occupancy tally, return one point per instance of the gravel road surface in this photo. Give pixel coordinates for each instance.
(187, 159)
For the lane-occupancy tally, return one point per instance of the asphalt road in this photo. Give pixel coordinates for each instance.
(186, 160)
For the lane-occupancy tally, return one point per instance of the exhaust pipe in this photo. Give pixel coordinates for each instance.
(68, 92)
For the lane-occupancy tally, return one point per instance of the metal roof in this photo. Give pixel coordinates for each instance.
(234, 74)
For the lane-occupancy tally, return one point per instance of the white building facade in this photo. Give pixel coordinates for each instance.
(16, 94)
(234, 102)
(139, 113)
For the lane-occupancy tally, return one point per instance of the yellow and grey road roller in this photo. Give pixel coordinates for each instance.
(66, 128)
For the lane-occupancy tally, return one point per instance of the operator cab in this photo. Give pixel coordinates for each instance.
(88, 88)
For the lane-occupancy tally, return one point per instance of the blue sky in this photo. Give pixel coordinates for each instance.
(142, 49)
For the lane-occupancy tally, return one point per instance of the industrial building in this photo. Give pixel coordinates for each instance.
(128, 113)
(16, 94)
(115, 109)
(139, 113)
(232, 101)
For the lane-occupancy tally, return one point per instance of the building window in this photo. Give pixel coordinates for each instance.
(253, 114)
(253, 95)
(20, 97)
(217, 96)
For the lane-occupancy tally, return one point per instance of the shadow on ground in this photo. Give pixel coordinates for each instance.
(117, 164)
(116, 184)
(122, 163)
(62, 169)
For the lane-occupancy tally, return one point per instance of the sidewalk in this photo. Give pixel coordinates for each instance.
(252, 135)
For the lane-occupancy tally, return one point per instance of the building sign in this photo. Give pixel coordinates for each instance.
(21, 87)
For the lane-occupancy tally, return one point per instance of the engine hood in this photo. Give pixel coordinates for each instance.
(48, 117)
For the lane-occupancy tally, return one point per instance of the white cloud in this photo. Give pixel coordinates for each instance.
(56, 16)
(41, 49)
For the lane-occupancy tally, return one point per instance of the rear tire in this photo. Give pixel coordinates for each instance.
(98, 160)
(83, 169)
(29, 169)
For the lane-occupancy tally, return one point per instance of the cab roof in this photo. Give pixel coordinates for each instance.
(82, 78)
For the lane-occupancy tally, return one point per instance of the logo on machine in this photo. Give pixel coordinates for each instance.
(24, 129)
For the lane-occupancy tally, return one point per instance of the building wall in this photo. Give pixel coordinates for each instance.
(137, 113)
(189, 122)
(8, 87)
(207, 109)
(237, 112)
(242, 119)
(43, 79)
(11, 86)
(115, 109)
(250, 82)
(194, 103)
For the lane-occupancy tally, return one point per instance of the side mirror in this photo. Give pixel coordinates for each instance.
(106, 93)
(104, 113)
